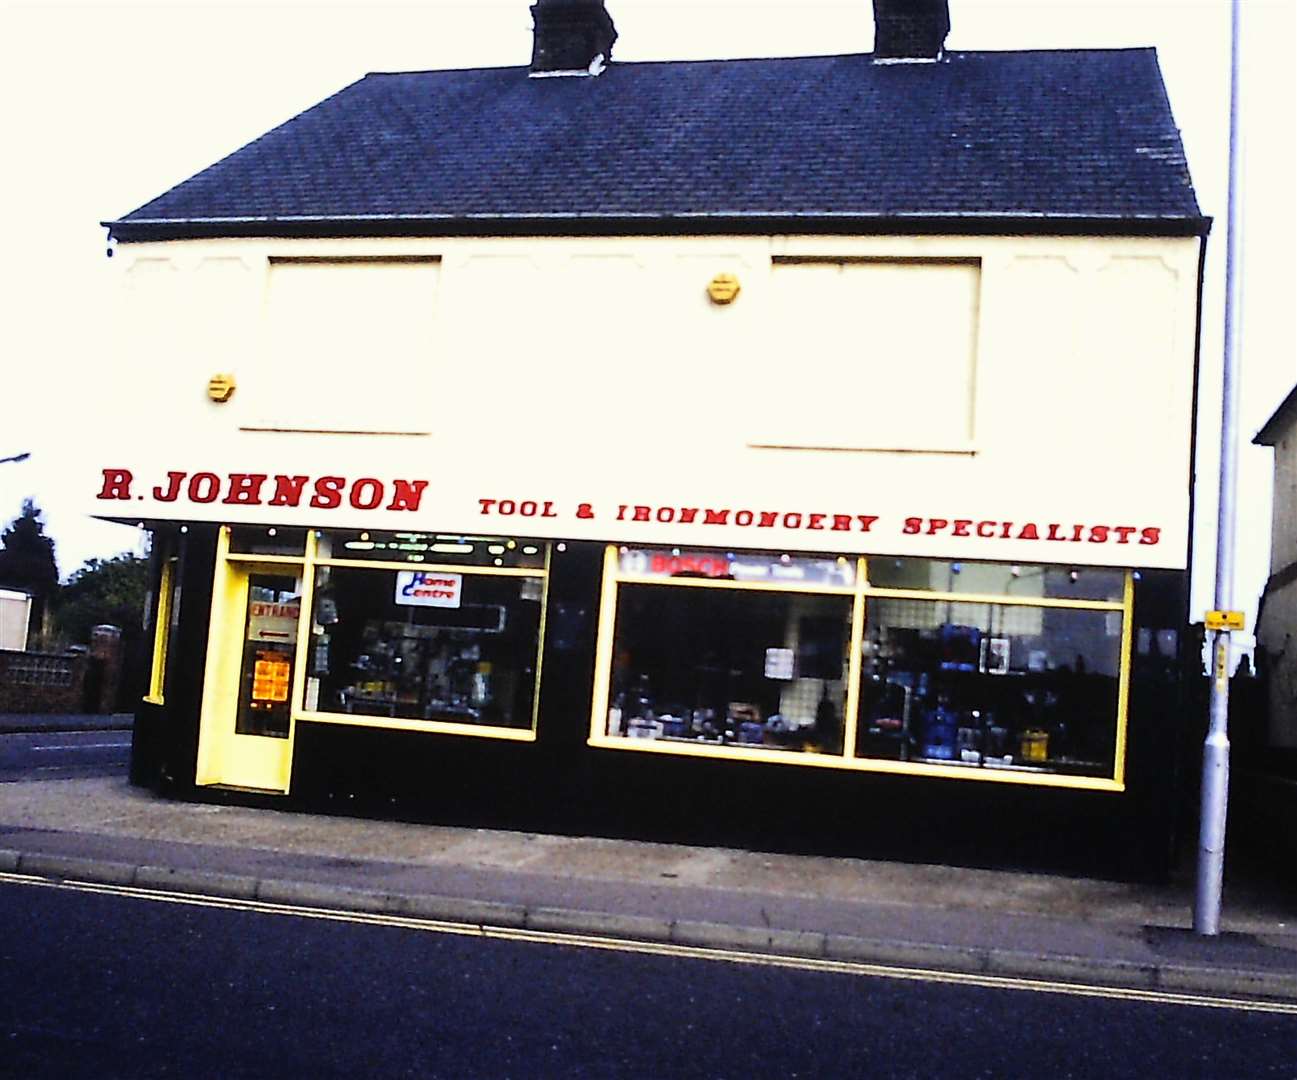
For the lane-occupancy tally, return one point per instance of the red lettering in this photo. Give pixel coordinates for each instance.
(174, 480)
(373, 493)
(715, 517)
(1099, 534)
(1124, 532)
(486, 505)
(406, 494)
(767, 519)
(117, 484)
(641, 513)
(204, 487)
(1077, 530)
(288, 490)
(792, 521)
(1150, 535)
(935, 525)
(962, 526)
(528, 508)
(507, 507)
(743, 517)
(666, 514)
(986, 529)
(1006, 527)
(245, 488)
(328, 493)
(841, 522)
(1054, 533)
(583, 510)
(866, 521)
(621, 512)
(687, 514)
(815, 521)
(1029, 532)
(548, 509)
(912, 526)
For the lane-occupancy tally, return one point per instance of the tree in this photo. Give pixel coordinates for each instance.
(27, 560)
(104, 591)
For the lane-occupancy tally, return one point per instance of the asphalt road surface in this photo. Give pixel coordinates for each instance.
(97, 982)
(55, 755)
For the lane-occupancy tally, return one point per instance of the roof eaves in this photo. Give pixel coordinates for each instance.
(140, 229)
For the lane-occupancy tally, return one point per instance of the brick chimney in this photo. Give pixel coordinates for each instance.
(910, 31)
(573, 37)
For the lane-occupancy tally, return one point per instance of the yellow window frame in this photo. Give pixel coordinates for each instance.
(614, 578)
(162, 631)
(310, 560)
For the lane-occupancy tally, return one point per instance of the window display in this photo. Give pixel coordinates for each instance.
(906, 665)
(745, 650)
(1004, 687)
(434, 644)
(728, 667)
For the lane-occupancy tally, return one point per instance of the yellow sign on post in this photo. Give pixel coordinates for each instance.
(1224, 620)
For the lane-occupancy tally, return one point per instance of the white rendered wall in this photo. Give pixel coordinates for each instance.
(1043, 382)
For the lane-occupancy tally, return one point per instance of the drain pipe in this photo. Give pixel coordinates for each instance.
(1215, 753)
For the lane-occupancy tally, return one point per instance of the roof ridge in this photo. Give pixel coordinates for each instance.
(949, 54)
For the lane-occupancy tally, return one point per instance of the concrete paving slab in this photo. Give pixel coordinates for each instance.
(77, 868)
(203, 882)
(905, 954)
(602, 924)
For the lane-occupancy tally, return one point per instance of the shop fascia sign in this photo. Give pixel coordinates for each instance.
(297, 498)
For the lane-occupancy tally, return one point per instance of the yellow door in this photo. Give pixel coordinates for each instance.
(246, 730)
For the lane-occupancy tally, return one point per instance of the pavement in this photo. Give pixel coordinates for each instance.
(988, 923)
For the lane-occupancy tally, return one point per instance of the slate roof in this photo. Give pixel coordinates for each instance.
(982, 140)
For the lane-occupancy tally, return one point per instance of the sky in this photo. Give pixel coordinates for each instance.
(106, 105)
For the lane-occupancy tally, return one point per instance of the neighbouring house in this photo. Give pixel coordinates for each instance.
(788, 452)
(1277, 622)
(15, 613)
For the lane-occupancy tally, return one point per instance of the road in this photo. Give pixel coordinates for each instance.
(54, 755)
(102, 982)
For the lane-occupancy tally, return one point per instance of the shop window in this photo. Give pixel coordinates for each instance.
(730, 667)
(979, 670)
(718, 649)
(990, 686)
(437, 644)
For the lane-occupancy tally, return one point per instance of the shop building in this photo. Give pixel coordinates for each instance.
(789, 452)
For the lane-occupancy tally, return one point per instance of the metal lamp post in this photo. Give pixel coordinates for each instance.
(1215, 755)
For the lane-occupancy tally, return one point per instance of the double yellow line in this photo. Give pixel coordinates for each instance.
(653, 948)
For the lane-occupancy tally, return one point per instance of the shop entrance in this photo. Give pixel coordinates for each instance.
(249, 690)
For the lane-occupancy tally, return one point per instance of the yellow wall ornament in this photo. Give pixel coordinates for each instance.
(723, 288)
(220, 387)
